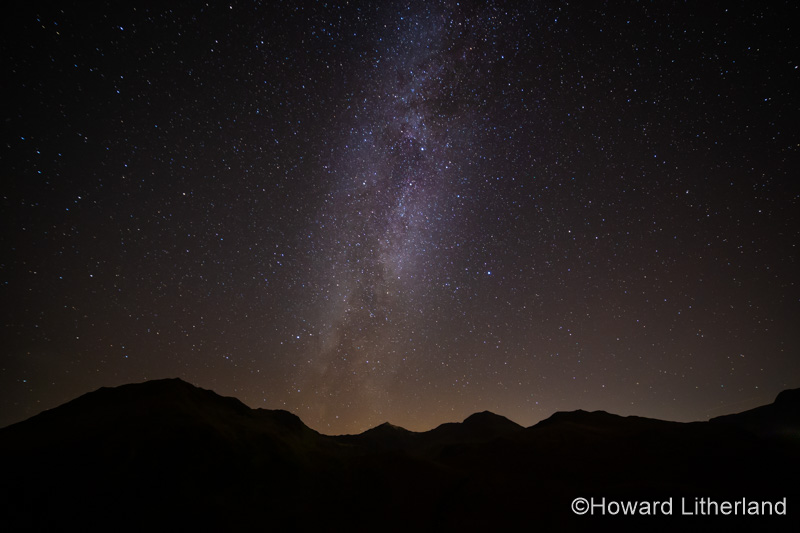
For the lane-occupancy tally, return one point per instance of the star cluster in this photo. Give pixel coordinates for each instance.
(404, 211)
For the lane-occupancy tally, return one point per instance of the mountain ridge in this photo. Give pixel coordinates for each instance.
(786, 399)
(166, 446)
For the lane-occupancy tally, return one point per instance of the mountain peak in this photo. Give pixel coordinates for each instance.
(488, 419)
(594, 419)
(778, 418)
(390, 426)
(789, 397)
(387, 429)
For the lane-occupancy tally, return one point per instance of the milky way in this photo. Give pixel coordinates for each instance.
(404, 211)
(390, 222)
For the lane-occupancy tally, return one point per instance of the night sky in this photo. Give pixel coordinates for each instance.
(403, 211)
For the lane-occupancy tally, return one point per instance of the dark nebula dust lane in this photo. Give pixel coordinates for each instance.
(403, 211)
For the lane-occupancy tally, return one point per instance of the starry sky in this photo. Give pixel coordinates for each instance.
(403, 211)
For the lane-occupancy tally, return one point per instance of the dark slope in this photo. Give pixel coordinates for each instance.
(597, 454)
(669, 456)
(130, 422)
(167, 455)
(171, 449)
(778, 419)
(169, 406)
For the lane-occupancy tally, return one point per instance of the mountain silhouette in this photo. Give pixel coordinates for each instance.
(477, 428)
(165, 454)
(779, 418)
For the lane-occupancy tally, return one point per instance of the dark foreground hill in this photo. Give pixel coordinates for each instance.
(167, 455)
